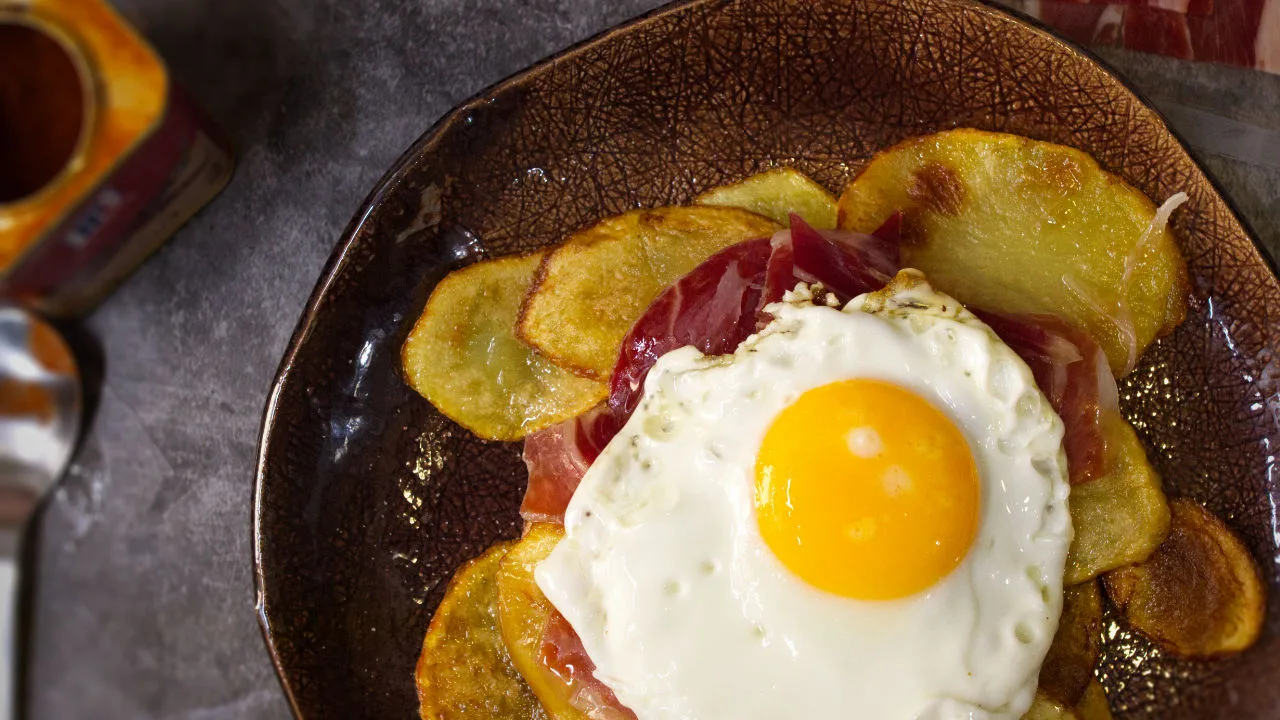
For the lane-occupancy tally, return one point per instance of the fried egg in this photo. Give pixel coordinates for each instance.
(862, 512)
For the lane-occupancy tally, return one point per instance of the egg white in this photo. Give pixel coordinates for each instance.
(688, 615)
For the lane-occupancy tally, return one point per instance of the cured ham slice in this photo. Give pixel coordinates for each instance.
(1072, 372)
(563, 654)
(1086, 23)
(721, 303)
(1156, 31)
(713, 308)
(556, 459)
(846, 263)
(1239, 32)
(1194, 7)
(1236, 32)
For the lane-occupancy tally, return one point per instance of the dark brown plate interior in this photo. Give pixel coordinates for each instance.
(367, 499)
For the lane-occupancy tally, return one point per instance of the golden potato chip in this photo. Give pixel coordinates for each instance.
(1011, 224)
(464, 670)
(592, 289)
(775, 194)
(1199, 594)
(1068, 667)
(523, 613)
(1094, 705)
(1045, 708)
(463, 356)
(1120, 517)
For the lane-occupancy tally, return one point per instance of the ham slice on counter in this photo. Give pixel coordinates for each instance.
(1194, 7)
(1236, 32)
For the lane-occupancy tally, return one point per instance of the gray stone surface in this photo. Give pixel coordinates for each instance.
(143, 571)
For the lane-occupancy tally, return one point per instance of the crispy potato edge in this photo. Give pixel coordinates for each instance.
(1215, 632)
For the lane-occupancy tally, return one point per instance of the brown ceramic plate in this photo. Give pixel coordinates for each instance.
(367, 499)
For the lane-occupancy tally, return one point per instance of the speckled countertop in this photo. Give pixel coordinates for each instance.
(143, 559)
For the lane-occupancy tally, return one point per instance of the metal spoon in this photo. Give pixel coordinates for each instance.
(40, 414)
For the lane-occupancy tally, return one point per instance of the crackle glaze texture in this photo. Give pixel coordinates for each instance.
(368, 499)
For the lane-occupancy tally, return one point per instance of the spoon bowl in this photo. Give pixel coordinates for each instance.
(40, 413)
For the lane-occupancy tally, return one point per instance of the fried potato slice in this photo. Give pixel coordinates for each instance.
(463, 356)
(1094, 705)
(775, 194)
(523, 611)
(1045, 708)
(1120, 517)
(1199, 594)
(1011, 224)
(464, 670)
(592, 289)
(1068, 667)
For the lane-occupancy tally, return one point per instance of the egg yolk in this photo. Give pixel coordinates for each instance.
(866, 490)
